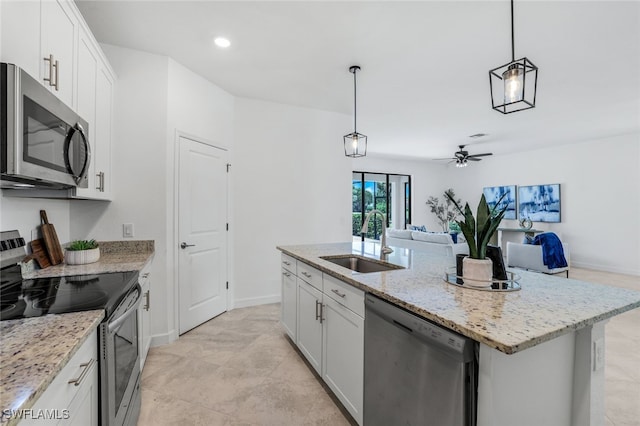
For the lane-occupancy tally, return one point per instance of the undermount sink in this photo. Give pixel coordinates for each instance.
(360, 264)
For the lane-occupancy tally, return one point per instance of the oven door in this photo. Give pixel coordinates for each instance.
(120, 363)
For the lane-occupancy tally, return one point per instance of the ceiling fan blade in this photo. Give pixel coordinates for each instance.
(439, 159)
(474, 159)
(480, 155)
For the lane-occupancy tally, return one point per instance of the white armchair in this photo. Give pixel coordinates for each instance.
(528, 256)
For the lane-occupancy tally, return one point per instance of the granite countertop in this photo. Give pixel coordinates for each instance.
(34, 351)
(545, 308)
(115, 256)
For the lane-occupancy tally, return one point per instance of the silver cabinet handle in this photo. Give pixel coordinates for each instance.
(50, 78)
(333, 290)
(100, 177)
(145, 275)
(147, 303)
(286, 274)
(321, 312)
(185, 245)
(87, 366)
(286, 263)
(56, 65)
(318, 311)
(306, 274)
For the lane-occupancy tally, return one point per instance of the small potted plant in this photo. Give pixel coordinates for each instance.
(81, 252)
(477, 268)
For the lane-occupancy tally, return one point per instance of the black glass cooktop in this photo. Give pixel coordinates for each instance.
(36, 297)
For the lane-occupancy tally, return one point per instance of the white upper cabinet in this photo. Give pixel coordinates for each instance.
(20, 35)
(51, 41)
(59, 29)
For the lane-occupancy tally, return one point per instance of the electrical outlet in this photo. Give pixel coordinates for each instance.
(127, 230)
(598, 354)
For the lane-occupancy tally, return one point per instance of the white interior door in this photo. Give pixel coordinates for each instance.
(202, 244)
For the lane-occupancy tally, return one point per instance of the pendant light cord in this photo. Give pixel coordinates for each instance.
(513, 49)
(355, 110)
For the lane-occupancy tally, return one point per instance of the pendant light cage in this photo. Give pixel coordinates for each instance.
(513, 85)
(355, 144)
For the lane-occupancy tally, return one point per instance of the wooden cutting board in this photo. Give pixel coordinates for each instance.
(40, 253)
(51, 240)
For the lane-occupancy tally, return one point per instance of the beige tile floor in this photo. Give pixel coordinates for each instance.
(239, 369)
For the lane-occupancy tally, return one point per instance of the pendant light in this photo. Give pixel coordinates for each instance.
(355, 144)
(513, 85)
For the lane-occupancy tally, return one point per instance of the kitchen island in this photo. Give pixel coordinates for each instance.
(541, 349)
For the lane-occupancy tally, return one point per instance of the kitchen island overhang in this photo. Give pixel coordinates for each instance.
(537, 346)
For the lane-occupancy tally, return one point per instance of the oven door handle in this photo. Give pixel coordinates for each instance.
(117, 323)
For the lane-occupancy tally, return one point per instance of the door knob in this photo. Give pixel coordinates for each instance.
(185, 245)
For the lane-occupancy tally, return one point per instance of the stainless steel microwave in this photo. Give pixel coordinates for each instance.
(44, 143)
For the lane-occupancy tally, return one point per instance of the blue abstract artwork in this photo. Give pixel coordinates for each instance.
(540, 203)
(493, 193)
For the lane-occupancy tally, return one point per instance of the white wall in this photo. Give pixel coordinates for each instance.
(600, 195)
(23, 214)
(291, 186)
(427, 179)
(138, 167)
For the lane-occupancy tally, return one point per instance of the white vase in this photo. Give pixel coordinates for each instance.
(81, 257)
(477, 272)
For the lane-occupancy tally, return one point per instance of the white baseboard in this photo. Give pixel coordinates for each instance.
(254, 301)
(163, 339)
(605, 268)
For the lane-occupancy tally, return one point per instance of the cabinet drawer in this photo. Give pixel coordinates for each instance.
(344, 294)
(82, 367)
(289, 263)
(310, 275)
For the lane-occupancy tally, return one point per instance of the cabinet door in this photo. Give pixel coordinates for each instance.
(309, 324)
(58, 36)
(343, 356)
(288, 303)
(86, 104)
(20, 35)
(104, 123)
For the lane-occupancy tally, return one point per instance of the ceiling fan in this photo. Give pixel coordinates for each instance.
(462, 157)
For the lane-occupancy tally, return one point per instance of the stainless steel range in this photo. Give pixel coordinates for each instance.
(119, 294)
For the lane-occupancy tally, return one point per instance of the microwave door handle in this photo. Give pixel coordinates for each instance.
(118, 322)
(87, 156)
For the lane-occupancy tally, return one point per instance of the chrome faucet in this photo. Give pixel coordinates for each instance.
(384, 250)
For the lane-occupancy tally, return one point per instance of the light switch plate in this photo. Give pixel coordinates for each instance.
(127, 230)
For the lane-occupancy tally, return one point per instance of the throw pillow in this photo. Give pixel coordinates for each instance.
(404, 234)
(420, 228)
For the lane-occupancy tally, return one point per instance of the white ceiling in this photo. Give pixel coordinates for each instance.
(424, 85)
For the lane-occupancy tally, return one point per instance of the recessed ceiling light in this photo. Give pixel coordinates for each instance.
(222, 42)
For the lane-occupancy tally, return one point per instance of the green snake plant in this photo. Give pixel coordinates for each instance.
(478, 231)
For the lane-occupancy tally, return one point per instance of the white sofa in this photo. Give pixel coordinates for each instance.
(528, 256)
(431, 242)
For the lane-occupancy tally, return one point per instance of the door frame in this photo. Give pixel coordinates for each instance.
(175, 235)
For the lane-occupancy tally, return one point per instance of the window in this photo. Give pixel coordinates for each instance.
(389, 193)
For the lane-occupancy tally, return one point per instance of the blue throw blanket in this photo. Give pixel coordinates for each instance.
(552, 252)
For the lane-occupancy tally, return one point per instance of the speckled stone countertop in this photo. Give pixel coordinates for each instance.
(34, 350)
(545, 308)
(115, 256)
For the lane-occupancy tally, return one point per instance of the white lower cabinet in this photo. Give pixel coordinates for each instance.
(72, 397)
(289, 309)
(343, 355)
(310, 324)
(329, 328)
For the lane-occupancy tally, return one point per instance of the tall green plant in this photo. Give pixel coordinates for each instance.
(478, 230)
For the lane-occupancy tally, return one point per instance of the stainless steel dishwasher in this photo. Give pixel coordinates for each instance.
(416, 372)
